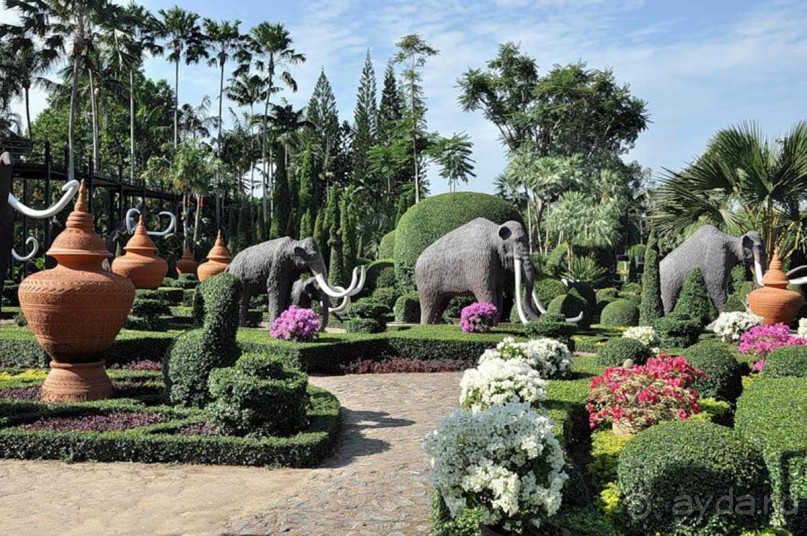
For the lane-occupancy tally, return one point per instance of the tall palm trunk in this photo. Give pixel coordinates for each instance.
(263, 157)
(71, 126)
(415, 147)
(176, 104)
(28, 113)
(196, 217)
(131, 127)
(270, 177)
(94, 110)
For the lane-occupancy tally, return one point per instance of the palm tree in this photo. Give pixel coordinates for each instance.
(184, 40)
(288, 123)
(454, 158)
(247, 90)
(227, 40)
(195, 121)
(270, 46)
(743, 182)
(126, 47)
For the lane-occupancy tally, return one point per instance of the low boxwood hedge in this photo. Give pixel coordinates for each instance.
(723, 373)
(620, 349)
(161, 443)
(787, 361)
(620, 313)
(771, 415)
(677, 332)
(407, 308)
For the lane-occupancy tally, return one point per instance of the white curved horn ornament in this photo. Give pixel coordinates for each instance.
(131, 223)
(342, 307)
(69, 190)
(34, 250)
(797, 280)
(352, 290)
(758, 273)
(519, 305)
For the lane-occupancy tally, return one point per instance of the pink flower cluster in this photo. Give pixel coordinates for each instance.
(645, 394)
(762, 340)
(296, 324)
(478, 317)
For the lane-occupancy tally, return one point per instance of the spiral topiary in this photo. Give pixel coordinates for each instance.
(194, 354)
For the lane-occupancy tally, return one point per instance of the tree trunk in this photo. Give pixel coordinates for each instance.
(94, 110)
(71, 127)
(28, 114)
(415, 146)
(263, 156)
(131, 127)
(196, 218)
(187, 218)
(539, 213)
(218, 148)
(176, 104)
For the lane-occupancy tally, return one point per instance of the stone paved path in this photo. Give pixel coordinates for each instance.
(375, 483)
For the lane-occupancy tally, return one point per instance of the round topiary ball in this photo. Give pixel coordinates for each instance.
(723, 373)
(620, 313)
(407, 308)
(570, 306)
(386, 248)
(607, 293)
(665, 472)
(547, 289)
(619, 349)
(677, 332)
(787, 361)
(586, 292)
(435, 216)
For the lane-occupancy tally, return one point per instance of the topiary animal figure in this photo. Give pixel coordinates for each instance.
(194, 354)
(694, 300)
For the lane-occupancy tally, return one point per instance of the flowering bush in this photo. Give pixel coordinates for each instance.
(478, 317)
(645, 394)
(504, 461)
(296, 324)
(762, 340)
(759, 366)
(731, 326)
(499, 381)
(550, 358)
(802, 331)
(644, 334)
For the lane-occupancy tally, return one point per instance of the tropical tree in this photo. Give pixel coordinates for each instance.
(744, 181)
(246, 90)
(227, 41)
(184, 41)
(413, 51)
(365, 125)
(453, 155)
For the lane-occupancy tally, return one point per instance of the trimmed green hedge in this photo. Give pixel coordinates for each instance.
(160, 443)
(675, 464)
(407, 308)
(723, 373)
(380, 274)
(437, 215)
(677, 332)
(771, 415)
(787, 361)
(570, 305)
(386, 248)
(619, 349)
(694, 301)
(620, 313)
(547, 289)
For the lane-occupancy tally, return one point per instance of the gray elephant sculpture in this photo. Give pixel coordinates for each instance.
(305, 292)
(471, 261)
(272, 267)
(715, 253)
(125, 228)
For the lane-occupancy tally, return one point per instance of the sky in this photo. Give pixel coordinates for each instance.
(699, 65)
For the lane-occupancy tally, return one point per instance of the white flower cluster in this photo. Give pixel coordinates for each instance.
(504, 460)
(644, 334)
(731, 326)
(550, 358)
(802, 331)
(499, 381)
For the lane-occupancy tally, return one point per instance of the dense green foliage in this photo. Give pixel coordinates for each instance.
(694, 301)
(677, 332)
(547, 289)
(552, 326)
(651, 307)
(195, 354)
(787, 361)
(723, 373)
(770, 414)
(407, 308)
(691, 461)
(620, 313)
(570, 305)
(619, 349)
(386, 247)
(435, 216)
(380, 274)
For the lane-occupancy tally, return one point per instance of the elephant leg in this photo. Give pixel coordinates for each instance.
(430, 309)
(278, 296)
(717, 287)
(243, 309)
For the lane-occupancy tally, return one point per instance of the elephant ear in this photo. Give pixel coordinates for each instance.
(505, 232)
(301, 252)
(5, 179)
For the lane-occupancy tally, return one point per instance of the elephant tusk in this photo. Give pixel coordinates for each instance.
(758, 273)
(34, 250)
(131, 223)
(796, 270)
(70, 190)
(350, 291)
(342, 307)
(798, 281)
(519, 305)
(538, 304)
(362, 279)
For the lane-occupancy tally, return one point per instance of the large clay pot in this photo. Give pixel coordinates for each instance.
(187, 264)
(141, 265)
(217, 260)
(773, 302)
(76, 310)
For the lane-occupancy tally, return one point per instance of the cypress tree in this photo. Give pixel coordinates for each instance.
(282, 199)
(336, 269)
(694, 301)
(651, 306)
(320, 236)
(323, 134)
(391, 109)
(307, 189)
(364, 117)
(347, 227)
(245, 227)
(306, 225)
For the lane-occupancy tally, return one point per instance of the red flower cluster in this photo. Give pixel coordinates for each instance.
(645, 394)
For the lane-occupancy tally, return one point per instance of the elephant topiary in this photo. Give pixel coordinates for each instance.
(305, 292)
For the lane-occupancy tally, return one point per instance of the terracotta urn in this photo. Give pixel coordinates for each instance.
(773, 302)
(187, 264)
(76, 310)
(217, 260)
(141, 264)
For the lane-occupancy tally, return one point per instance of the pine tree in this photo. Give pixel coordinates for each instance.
(347, 229)
(694, 301)
(281, 199)
(336, 269)
(323, 134)
(651, 306)
(306, 225)
(307, 190)
(390, 111)
(365, 118)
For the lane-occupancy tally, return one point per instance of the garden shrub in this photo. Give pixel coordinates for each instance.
(570, 305)
(453, 310)
(478, 317)
(147, 309)
(739, 275)
(552, 326)
(695, 461)
(364, 325)
(407, 308)
(380, 274)
(605, 449)
(385, 295)
(677, 332)
(770, 414)
(651, 306)
(386, 247)
(172, 295)
(607, 293)
(260, 396)
(586, 291)
(369, 308)
(744, 290)
(619, 349)
(620, 313)
(723, 379)
(296, 324)
(547, 289)
(787, 361)
(694, 300)
(733, 304)
(196, 353)
(630, 288)
(437, 215)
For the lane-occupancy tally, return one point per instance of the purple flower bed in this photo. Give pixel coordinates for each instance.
(760, 341)
(478, 317)
(22, 394)
(96, 423)
(399, 364)
(125, 389)
(296, 324)
(143, 364)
